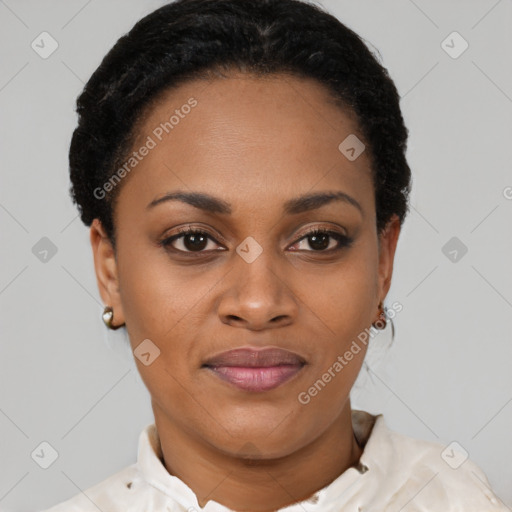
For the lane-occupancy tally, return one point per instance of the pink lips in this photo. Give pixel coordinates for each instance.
(256, 369)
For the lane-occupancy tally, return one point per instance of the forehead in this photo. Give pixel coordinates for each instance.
(248, 138)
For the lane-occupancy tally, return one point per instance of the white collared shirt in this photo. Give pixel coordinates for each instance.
(395, 473)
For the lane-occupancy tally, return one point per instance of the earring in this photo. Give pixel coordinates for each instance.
(381, 322)
(108, 317)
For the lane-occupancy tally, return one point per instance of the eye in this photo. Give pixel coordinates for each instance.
(191, 240)
(319, 240)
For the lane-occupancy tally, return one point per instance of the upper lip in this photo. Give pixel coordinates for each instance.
(255, 357)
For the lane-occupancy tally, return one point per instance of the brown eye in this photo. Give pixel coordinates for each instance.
(191, 240)
(321, 239)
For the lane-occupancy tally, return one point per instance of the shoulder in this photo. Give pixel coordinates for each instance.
(429, 475)
(112, 494)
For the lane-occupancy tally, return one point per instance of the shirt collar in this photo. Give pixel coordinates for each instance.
(369, 431)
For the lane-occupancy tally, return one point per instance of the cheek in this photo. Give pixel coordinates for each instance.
(165, 304)
(155, 294)
(344, 297)
(346, 306)
(158, 302)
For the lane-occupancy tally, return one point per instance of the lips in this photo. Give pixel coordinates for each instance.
(255, 369)
(255, 358)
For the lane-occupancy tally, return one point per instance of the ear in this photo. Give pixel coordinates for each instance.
(105, 265)
(388, 240)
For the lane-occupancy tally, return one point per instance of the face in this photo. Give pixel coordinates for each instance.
(251, 274)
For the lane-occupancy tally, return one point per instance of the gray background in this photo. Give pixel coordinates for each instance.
(65, 380)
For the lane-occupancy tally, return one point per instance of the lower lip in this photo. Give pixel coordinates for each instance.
(256, 379)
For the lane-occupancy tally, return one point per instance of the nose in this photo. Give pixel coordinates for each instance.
(257, 295)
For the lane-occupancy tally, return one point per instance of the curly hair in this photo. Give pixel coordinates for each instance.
(189, 39)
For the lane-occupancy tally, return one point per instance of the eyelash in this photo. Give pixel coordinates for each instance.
(343, 240)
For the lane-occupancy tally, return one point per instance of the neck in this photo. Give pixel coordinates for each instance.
(264, 485)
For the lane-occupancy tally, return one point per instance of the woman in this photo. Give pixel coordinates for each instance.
(241, 165)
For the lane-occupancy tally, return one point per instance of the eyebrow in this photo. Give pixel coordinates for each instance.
(212, 204)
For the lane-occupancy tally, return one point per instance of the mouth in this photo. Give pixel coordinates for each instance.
(256, 379)
(256, 370)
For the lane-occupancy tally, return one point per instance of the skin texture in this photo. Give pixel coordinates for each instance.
(255, 143)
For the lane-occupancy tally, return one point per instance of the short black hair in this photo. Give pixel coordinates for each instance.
(188, 39)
